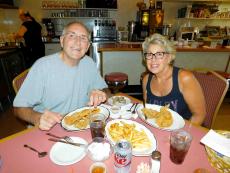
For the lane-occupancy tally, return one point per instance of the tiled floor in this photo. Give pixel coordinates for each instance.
(9, 124)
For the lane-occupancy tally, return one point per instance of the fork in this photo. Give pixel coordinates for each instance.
(130, 109)
(134, 110)
(66, 138)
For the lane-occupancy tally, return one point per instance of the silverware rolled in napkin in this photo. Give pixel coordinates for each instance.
(65, 142)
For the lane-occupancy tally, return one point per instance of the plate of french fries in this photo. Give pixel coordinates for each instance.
(160, 117)
(79, 119)
(142, 140)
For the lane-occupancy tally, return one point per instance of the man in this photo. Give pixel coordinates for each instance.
(62, 82)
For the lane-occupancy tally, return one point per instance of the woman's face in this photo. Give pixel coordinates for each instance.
(157, 59)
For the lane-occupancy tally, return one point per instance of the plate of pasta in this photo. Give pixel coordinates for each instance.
(142, 140)
(160, 117)
(79, 119)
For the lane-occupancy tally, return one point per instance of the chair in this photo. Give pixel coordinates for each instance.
(18, 80)
(215, 88)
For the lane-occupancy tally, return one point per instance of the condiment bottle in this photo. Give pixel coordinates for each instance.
(155, 162)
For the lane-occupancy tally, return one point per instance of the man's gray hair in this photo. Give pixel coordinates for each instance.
(76, 22)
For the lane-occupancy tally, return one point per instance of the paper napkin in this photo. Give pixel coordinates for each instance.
(217, 142)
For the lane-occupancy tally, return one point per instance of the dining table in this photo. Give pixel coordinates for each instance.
(15, 158)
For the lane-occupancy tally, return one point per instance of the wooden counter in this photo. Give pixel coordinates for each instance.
(137, 47)
(128, 58)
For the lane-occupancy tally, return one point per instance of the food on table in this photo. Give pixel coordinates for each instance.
(163, 118)
(129, 132)
(150, 113)
(80, 119)
(117, 100)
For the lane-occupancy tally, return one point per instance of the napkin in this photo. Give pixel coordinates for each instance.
(122, 113)
(217, 142)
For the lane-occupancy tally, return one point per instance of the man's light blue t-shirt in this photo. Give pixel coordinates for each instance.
(53, 85)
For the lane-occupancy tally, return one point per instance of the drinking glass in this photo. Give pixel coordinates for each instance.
(97, 125)
(180, 141)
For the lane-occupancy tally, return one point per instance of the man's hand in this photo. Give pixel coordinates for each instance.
(49, 119)
(97, 97)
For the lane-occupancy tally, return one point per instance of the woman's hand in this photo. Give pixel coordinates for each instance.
(97, 97)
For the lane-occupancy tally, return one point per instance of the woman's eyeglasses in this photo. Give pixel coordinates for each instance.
(157, 55)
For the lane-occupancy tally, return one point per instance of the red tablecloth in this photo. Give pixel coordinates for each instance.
(17, 159)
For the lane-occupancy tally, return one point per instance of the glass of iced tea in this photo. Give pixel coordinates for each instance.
(180, 141)
(97, 125)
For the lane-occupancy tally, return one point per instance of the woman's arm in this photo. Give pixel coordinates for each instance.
(144, 83)
(21, 32)
(193, 95)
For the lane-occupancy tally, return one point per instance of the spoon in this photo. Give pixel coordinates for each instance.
(40, 154)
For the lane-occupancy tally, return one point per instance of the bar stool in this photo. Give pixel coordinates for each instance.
(116, 81)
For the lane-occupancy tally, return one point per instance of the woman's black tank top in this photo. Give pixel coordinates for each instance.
(174, 98)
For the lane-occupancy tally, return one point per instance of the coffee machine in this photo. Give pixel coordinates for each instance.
(150, 20)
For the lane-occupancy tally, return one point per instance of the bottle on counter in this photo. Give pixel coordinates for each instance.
(155, 162)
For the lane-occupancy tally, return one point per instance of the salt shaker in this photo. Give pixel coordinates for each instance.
(155, 162)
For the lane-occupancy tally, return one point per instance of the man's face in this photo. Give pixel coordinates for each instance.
(75, 43)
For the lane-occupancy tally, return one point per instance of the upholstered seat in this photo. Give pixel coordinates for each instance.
(18, 80)
(214, 87)
(116, 81)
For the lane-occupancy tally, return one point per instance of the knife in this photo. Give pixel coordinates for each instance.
(144, 105)
(71, 143)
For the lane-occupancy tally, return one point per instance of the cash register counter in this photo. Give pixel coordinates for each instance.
(127, 58)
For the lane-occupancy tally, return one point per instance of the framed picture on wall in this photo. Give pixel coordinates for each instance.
(213, 31)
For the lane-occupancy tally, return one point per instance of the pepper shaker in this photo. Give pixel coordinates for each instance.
(155, 162)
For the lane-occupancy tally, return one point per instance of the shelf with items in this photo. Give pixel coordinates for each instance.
(80, 13)
(196, 18)
(207, 1)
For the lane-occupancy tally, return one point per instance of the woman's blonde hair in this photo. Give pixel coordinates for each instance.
(162, 41)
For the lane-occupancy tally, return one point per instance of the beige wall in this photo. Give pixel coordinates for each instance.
(127, 9)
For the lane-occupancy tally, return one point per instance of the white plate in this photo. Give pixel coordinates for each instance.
(112, 102)
(65, 154)
(178, 121)
(135, 152)
(103, 110)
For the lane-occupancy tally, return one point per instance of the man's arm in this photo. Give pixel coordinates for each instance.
(45, 121)
(28, 115)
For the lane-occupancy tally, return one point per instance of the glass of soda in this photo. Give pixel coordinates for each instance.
(97, 125)
(180, 141)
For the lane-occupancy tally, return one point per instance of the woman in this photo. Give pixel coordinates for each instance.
(30, 30)
(166, 84)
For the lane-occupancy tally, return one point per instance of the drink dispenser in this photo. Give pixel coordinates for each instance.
(131, 31)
